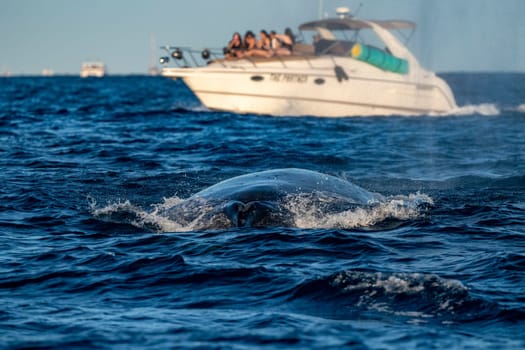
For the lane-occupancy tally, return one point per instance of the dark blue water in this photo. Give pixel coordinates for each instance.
(88, 260)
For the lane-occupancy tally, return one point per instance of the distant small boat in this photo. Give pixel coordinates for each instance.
(93, 69)
(48, 72)
(153, 71)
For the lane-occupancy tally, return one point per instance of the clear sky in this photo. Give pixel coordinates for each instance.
(452, 35)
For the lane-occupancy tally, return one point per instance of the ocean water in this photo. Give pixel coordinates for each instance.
(92, 258)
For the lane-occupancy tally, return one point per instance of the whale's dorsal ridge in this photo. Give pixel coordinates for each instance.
(264, 198)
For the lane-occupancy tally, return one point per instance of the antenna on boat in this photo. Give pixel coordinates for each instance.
(358, 9)
(153, 70)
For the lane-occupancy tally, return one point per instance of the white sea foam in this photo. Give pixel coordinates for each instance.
(400, 208)
(521, 108)
(127, 213)
(378, 291)
(393, 283)
(485, 109)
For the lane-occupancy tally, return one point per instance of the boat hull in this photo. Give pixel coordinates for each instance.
(322, 90)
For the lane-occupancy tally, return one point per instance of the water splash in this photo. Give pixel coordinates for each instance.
(124, 212)
(309, 214)
(484, 109)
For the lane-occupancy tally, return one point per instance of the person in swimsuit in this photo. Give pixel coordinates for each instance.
(263, 46)
(282, 44)
(255, 48)
(265, 43)
(250, 42)
(235, 46)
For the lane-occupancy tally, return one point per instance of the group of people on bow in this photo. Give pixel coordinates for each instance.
(268, 45)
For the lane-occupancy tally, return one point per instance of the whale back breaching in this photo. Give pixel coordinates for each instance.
(262, 199)
(295, 198)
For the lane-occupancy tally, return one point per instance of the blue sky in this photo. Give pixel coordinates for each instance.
(452, 35)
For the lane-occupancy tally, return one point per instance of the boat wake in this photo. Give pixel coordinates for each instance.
(484, 109)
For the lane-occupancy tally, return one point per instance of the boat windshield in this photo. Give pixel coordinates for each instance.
(338, 36)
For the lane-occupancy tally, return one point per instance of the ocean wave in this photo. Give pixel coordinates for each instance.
(418, 296)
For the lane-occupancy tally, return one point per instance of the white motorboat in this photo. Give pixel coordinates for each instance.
(93, 69)
(345, 72)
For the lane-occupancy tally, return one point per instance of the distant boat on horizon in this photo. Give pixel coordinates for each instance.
(153, 71)
(93, 69)
(48, 72)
